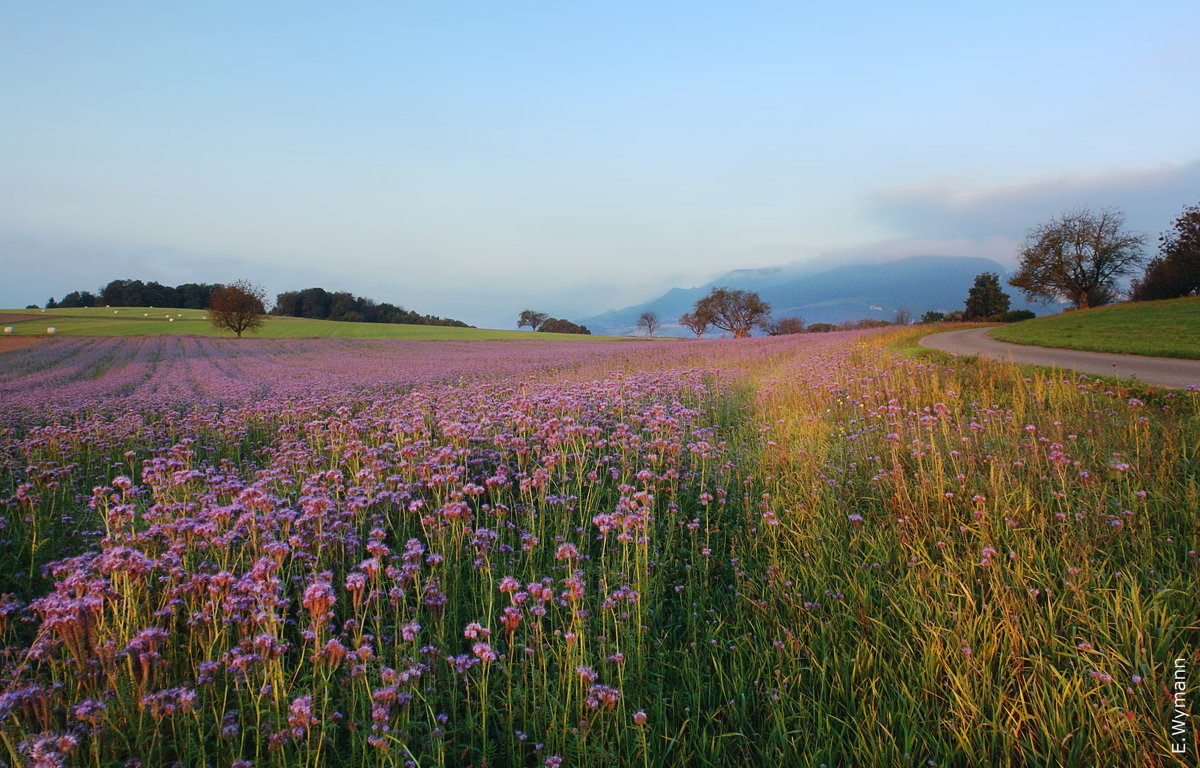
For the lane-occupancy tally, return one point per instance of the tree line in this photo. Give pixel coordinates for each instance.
(320, 304)
(135, 293)
(540, 321)
(1082, 256)
(313, 303)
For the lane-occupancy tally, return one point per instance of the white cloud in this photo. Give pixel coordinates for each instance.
(1151, 199)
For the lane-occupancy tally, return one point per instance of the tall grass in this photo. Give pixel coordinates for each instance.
(806, 555)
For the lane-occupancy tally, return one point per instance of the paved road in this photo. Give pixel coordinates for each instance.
(1161, 371)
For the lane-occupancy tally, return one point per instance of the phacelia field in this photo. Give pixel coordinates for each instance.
(809, 550)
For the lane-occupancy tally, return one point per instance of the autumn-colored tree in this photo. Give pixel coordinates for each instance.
(696, 322)
(1074, 255)
(237, 307)
(732, 310)
(532, 320)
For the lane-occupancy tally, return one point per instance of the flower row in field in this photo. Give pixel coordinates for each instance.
(380, 567)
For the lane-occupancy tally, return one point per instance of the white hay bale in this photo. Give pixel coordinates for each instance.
(8, 329)
(51, 330)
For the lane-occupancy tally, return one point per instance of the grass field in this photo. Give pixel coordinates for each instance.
(796, 551)
(148, 321)
(1161, 328)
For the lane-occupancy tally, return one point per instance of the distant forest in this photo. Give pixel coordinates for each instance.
(135, 293)
(320, 304)
(313, 303)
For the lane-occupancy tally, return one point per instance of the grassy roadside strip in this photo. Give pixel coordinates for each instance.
(905, 341)
(1157, 328)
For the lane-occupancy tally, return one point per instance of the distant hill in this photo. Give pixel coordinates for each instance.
(833, 295)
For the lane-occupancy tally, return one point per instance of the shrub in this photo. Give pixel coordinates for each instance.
(557, 325)
(1015, 316)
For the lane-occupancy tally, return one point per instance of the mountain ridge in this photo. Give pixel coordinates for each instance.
(846, 292)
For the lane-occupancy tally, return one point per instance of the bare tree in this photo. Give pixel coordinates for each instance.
(1073, 256)
(735, 311)
(237, 307)
(696, 322)
(649, 321)
(532, 320)
(902, 317)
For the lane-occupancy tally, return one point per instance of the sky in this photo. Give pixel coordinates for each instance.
(471, 160)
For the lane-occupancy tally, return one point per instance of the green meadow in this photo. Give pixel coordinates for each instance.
(1162, 328)
(151, 321)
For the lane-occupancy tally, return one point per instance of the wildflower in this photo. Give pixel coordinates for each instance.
(566, 552)
(508, 584)
(333, 653)
(587, 673)
(167, 702)
(319, 598)
(484, 652)
(462, 663)
(300, 715)
(409, 631)
(512, 618)
(639, 717)
(474, 630)
(89, 711)
(48, 750)
(602, 696)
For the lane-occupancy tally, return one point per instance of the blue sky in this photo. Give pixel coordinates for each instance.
(473, 159)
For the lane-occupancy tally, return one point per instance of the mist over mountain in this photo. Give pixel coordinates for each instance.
(833, 295)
